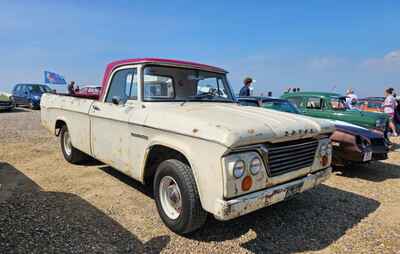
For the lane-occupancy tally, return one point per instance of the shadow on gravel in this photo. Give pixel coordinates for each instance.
(36, 221)
(309, 222)
(14, 110)
(376, 172)
(145, 189)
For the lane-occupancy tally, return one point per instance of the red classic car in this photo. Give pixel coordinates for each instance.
(92, 92)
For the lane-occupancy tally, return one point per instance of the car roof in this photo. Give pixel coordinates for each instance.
(170, 62)
(319, 94)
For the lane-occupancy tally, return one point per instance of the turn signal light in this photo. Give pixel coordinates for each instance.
(247, 183)
(324, 160)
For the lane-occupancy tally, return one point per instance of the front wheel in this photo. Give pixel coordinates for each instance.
(177, 198)
(71, 154)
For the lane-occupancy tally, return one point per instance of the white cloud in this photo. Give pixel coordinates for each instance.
(325, 63)
(388, 63)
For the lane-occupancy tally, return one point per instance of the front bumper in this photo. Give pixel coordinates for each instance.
(229, 209)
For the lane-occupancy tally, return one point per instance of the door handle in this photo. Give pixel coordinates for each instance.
(96, 108)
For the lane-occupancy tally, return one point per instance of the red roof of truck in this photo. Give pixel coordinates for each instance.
(115, 64)
(171, 62)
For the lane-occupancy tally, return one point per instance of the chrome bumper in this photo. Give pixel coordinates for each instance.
(229, 209)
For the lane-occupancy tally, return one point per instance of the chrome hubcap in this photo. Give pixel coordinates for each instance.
(170, 197)
(67, 143)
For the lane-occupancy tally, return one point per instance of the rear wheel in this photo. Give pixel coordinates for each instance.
(71, 154)
(177, 198)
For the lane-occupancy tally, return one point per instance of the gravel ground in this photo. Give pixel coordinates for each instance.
(50, 206)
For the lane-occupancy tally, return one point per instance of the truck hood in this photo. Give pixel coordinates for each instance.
(233, 125)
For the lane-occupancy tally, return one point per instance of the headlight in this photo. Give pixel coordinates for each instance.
(323, 150)
(255, 166)
(362, 142)
(238, 169)
(36, 97)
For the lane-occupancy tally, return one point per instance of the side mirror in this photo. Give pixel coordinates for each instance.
(116, 100)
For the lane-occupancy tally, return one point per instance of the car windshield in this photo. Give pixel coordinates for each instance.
(163, 83)
(38, 88)
(337, 103)
(284, 106)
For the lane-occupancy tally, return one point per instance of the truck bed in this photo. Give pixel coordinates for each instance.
(55, 107)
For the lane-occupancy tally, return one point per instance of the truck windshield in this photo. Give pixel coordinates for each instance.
(180, 84)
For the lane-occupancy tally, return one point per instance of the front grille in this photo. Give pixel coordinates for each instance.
(290, 156)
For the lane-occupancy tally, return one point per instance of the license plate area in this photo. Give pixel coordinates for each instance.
(367, 156)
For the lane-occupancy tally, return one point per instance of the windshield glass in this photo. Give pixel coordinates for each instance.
(337, 103)
(180, 84)
(38, 88)
(284, 106)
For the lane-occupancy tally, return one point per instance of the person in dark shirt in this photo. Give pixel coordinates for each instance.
(71, 88)
(245, 90)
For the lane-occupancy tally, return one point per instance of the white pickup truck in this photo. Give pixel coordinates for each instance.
(176, 125)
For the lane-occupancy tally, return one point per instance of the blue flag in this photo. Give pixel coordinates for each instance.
(53, 78)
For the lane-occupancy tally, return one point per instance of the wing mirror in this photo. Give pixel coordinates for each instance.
(116, 100)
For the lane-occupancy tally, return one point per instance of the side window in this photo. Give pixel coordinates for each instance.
(123, 85)
(314, 103)
(16, 89)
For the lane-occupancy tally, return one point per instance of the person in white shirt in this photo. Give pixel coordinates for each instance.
(351, 99)
(389, 106)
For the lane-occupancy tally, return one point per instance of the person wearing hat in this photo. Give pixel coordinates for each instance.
(351, 99)
(245, 90)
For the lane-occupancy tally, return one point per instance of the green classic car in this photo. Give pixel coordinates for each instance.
(333, 106)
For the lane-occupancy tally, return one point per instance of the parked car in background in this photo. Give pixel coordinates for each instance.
(29, 94)
(351, 143)
(370, 105)
(6, 103)
(88, 92)
(332, 106)
(177, 126)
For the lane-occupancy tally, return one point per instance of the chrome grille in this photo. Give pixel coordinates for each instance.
(290, 156)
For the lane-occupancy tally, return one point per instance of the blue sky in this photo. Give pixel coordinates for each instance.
(314, 45)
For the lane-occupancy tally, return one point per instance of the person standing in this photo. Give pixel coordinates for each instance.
(71, 88)
(389, 107)
(245, 90)
(351, 99)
